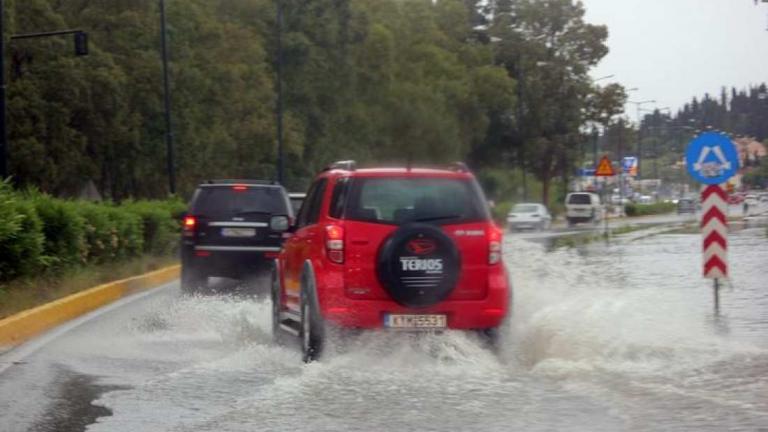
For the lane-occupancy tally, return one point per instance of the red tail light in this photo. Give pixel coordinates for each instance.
(239, 187)
(334, 243)
(189, 223)
(494, 245)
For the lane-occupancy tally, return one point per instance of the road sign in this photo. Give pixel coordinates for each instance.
(711, 158)
(629, 165)
(604, 168)
(585, 172)
(714, 229)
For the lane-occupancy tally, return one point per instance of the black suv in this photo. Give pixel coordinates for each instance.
(233, 228)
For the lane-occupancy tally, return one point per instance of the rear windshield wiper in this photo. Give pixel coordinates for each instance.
(436, 218)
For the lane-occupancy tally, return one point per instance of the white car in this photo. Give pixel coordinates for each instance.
(529, 216)
(582, 207)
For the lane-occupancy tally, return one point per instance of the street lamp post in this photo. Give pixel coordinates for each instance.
(638, 105)
(279, 102)
(3, 130)
(170, 165)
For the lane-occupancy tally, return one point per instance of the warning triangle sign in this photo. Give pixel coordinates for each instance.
(604, 168)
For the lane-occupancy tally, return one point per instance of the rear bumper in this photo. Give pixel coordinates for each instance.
(212, 261)
(461, 314)
(514, 224)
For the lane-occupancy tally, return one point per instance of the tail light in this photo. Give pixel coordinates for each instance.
(334, 243)
(188, 225)
(494, 246)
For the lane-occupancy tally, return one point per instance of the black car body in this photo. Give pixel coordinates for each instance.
(229, 230)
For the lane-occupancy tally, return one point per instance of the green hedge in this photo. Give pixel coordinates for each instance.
(21, 236)
(649, 209)
(39, 233)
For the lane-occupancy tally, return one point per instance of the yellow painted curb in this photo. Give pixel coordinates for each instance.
(20, 327)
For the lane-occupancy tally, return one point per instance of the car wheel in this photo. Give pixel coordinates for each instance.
(570, 222)
(491, 338)
(192, 280)
(311, 333)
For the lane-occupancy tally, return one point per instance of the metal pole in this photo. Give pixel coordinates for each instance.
(3, 131)
(621, 168)
(167, 100)
(280, 158)
(717, 296)
(639, 144)
(595, 138)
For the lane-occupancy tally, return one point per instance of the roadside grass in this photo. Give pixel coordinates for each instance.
(28, 292)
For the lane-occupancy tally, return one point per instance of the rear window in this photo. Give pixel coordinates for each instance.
(579, 199)
(217, 202)
(400, 200)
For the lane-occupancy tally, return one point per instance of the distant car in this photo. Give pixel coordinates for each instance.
(735, 199)
(297, 199)
(645, 199)
(686, 205)
(233, 228)
(582, 207)
(764, 197)
(529, 216)
(751, 200)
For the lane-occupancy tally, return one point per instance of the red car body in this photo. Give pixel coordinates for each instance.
(331, 259)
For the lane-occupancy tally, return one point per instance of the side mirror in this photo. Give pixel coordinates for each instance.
(279, 223)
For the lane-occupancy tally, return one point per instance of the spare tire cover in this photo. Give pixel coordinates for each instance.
(418, 265)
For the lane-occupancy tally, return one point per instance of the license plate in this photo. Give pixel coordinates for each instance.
(415, 321)
(238, 232)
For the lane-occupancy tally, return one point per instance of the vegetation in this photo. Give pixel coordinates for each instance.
(649, 209)
(500, 84)
(42, 235)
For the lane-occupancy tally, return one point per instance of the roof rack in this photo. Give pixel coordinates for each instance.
(459, 167)
(240, 181)
(348, 165)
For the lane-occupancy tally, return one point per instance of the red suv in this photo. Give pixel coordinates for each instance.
(392, 248)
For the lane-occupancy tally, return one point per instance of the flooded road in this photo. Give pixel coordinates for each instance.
(617, 337)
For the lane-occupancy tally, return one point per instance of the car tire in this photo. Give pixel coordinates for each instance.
(570, 222)
(311, 333)
(192, 279)
(402, 285)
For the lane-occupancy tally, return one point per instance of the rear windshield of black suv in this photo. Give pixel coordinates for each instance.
(401, 200)
(232, 201)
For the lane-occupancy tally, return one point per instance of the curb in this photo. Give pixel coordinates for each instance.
(22, 326)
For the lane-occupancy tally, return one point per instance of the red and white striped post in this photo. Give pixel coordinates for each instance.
(714, 230)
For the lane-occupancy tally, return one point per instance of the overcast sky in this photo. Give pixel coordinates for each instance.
(673, 50)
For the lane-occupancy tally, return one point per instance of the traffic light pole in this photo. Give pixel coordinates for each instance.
(81, 48)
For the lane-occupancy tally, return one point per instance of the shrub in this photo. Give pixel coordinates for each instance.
(127, 228)
(649, 209)
(159, 225)
(63, 230)
(21, 236)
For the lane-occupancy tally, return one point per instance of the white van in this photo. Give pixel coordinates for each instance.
(582, 207)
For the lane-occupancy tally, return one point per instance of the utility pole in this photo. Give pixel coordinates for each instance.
(638, 106)
(167, 101)
(3, 130)
(279, 108)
